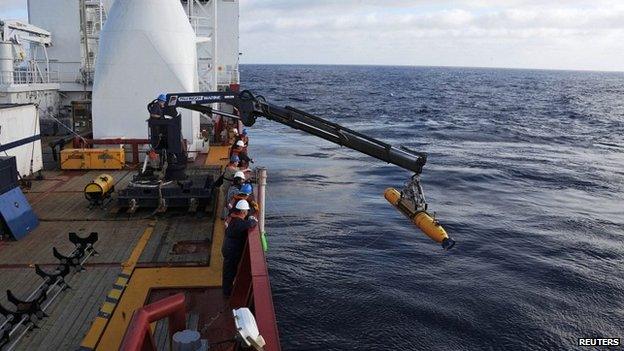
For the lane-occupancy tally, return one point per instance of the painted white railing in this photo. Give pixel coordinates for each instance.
(17, 77)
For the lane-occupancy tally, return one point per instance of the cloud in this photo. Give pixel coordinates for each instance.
(13, 9)
(8, 5)
(570, 34)
(506, 19)
(518, 33)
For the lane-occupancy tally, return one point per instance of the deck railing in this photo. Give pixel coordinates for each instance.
(28, 77)
(252, 287)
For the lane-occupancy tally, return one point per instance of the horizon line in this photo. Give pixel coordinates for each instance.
(436, 66)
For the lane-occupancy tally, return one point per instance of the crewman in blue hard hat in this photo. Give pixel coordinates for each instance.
(244, 137)
(244, 193)
(231, 167)
(157, 107)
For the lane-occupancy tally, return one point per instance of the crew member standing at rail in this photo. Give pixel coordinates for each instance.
(245, 193)
(233, 135)
(237, 148)
(226, 178)
(231, 168)
(234, 243)
(232, 189)
(244, 138)
(240, 149)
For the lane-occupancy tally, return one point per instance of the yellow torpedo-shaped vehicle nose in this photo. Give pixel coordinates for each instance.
(421, 219)
(99, 187)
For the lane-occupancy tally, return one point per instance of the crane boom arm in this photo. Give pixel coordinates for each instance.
(251, 107)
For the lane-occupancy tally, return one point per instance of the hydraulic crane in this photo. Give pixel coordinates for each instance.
(410, 200)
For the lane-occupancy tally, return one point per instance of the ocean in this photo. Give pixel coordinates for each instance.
(525, 171)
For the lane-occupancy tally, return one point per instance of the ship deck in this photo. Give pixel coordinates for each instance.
(142, 257)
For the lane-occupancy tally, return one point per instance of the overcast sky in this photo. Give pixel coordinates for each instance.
(561, 34)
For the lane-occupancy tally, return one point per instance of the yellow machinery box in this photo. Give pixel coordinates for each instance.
(93, 158)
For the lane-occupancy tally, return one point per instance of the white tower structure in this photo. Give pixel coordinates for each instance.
(75, 26)
(215, 23)
(146, 47)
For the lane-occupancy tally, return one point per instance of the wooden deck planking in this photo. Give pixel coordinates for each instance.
(64, 207)
(70, 315)
(58, 324)
(79, 181)
(21, 281)
(116, 240)
(37, 246)
(40, 186)
(168, 232)
(87, 306)
(67, 207)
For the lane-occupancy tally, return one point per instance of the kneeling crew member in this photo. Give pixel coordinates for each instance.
(234, 243)
(157, 108)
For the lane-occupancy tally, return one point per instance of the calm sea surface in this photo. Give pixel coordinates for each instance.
(525, 171)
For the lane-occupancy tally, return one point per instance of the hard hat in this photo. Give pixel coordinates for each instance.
(244, 132)
(246, 189)
(239, 174)
(240, 143)
(242, 205)
(234, 158)
(162, 97)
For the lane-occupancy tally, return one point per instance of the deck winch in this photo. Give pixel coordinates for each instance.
(162, 181)
(410, 201)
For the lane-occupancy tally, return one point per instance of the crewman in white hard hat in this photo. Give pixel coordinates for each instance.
(234, 243)
(233, 189)
(233, 135)
(240, 149)
(244, 137)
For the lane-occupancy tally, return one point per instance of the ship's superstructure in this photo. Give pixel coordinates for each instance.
(53, 58)
(25, 72)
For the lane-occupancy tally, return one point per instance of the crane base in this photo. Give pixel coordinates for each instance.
(194, 192)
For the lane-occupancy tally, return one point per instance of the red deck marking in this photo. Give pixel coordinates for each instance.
(44, 194)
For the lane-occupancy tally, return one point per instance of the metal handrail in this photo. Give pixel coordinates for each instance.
(18, 77)
(252, 286)
(139, 336)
